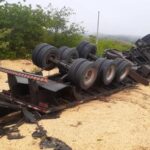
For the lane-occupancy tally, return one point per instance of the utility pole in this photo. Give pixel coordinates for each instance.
(97, 35)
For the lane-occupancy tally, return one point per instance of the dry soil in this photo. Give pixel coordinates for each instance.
(121, 123)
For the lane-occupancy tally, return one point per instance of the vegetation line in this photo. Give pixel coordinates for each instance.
(23, 27)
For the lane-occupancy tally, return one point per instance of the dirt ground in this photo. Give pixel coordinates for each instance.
(121, 123)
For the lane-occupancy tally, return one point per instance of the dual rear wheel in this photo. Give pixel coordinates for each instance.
(123, 68)
(67, 54)
(44, 55)
(85, 49)
(106, 71)
(81, 72)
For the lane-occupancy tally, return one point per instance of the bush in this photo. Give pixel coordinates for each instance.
(30, 27)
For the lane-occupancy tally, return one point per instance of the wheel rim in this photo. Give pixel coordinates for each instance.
(124, 74)
(110, 73)
(89, 77)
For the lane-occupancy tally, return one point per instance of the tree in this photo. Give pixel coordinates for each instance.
(60, 30)
(26, 25)
(3, 35)
(32, 26)
(4, 44)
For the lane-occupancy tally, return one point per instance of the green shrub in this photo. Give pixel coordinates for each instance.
(5, 54)
(113, 44)
(30, 26)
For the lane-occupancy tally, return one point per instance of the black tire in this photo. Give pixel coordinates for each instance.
(86, 75)
(122, 71)
(69, 55)
(98, 63)
(107, 72)
(61, 50)
(81, 45)
(44, 57)
(86, 50)
(35, 52)
(74, 67)
(40, 55)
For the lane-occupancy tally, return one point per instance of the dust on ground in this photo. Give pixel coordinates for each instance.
(122, 122)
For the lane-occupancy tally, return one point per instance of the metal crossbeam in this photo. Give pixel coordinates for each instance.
(24, 75)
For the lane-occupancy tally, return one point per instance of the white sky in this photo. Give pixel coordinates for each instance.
(128, 17)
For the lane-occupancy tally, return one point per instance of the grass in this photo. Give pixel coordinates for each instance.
(113, 44)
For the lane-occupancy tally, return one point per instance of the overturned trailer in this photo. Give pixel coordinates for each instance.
(82, 76)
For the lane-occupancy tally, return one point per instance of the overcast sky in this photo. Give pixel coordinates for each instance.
(128, 17)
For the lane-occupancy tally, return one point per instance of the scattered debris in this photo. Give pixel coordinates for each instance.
(54, 143)
(14, 135)
(39, 133)
(12, 132)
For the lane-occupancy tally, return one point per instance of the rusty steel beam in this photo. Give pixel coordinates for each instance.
(24, 75)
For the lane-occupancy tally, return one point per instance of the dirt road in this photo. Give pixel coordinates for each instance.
(121, 123)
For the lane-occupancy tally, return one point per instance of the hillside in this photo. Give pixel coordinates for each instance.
(127, 38)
